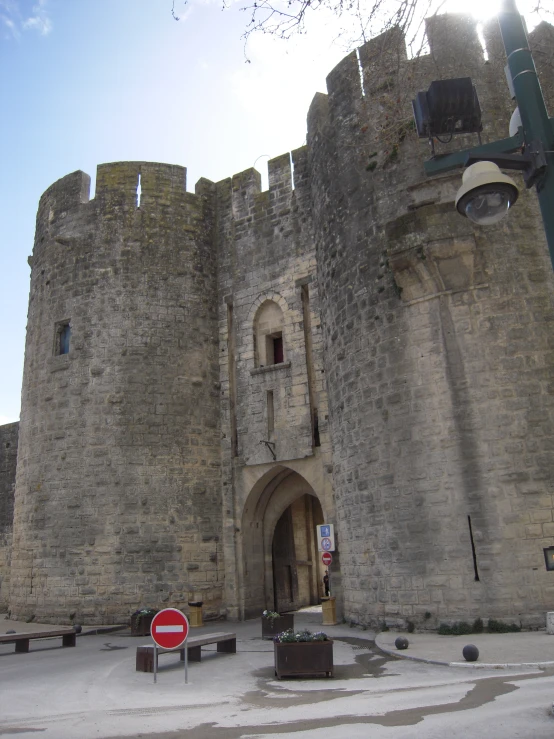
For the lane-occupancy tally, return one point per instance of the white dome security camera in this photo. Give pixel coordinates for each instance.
(486, 194)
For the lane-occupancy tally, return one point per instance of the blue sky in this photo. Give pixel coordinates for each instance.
(84, 82)
(89, 81)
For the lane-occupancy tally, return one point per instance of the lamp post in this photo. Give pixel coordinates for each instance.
(534, 139)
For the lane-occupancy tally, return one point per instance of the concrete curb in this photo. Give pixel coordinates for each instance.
(476, 665)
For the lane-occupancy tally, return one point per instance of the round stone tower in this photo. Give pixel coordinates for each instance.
(117, 493)
(437, 347)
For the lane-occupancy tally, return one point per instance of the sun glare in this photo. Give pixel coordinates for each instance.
(481, 9)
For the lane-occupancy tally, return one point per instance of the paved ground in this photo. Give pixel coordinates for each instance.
(93, 690)
(533, 649)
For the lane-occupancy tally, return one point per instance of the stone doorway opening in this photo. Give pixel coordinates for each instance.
(281, 567)
(296, 574)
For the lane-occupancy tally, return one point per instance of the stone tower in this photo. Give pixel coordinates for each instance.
(117, 498)
(437, 345)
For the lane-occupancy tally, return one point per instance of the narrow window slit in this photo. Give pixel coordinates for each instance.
(473, 550)
(270, 413)
(62, 338)
(361, 72)
(481, 37)
(291, 172)
(139, 191)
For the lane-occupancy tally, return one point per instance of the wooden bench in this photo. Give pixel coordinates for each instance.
(226, 643)
(22, 639)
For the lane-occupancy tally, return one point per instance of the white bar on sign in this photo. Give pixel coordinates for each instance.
(169, 629)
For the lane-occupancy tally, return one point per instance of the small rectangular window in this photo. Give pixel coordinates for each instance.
(274, 353)
(270, 413)
(278, 356)
(63, 337)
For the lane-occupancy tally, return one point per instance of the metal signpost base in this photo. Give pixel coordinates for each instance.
(186, 664)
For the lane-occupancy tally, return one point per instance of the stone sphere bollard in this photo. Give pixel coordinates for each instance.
(470, 652)
(401, 642)
(77, 628)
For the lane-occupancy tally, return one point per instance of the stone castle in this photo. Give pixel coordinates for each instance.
(209, 376)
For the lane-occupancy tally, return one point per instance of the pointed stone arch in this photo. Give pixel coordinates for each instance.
(279, 490)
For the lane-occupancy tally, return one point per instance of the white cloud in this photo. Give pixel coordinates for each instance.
(10, 25)
(22, 15)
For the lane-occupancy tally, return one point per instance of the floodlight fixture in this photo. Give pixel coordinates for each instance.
(486, 194)
(448, 107)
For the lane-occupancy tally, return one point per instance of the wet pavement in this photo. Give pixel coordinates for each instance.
(93, 690)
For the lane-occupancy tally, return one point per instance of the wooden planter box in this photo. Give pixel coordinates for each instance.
(304, 658)
(140, 625)
(272, 628)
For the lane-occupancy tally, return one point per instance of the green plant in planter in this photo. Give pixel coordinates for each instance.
(271, 616)
(290, 636)
(142, 617)
(303, 653)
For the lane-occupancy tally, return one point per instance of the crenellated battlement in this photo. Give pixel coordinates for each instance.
(65, 194)
(245, 186)
(123, 189)
(454, 50)
(118, 182)
(287, 174)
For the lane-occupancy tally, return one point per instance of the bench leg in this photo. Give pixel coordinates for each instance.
(69, 640)
(22, 645)
(195, 654)
(145, 659)
(229, 646)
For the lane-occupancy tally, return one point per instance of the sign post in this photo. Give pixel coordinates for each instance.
(325, 537)
(327, 558)
(169, 630)
(326, 543)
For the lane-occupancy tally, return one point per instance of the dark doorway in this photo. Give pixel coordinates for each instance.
(295, 558)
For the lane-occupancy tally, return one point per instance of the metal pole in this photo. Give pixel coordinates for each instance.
(186, 663)
(155, 662)
(532, 108)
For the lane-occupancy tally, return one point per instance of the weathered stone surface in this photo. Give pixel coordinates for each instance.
(341, 348)
(8, 460)
(436, 346)
(118, 464)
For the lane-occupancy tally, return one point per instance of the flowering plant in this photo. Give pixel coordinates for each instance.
(271, 615)
(286, 637)
(144, 613)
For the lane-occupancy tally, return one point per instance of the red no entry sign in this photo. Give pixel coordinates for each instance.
(326, 558)
(169, 628)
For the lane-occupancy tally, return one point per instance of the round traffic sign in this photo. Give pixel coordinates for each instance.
(327, 558)
(326, 544)
(169, 628)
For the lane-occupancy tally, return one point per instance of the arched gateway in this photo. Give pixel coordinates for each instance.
(281, 567)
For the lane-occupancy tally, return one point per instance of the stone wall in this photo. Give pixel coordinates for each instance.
(413, 400)
(8, 460)
(438, 355)
(117, 499)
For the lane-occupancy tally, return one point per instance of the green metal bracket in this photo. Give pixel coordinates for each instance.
(458, 159)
